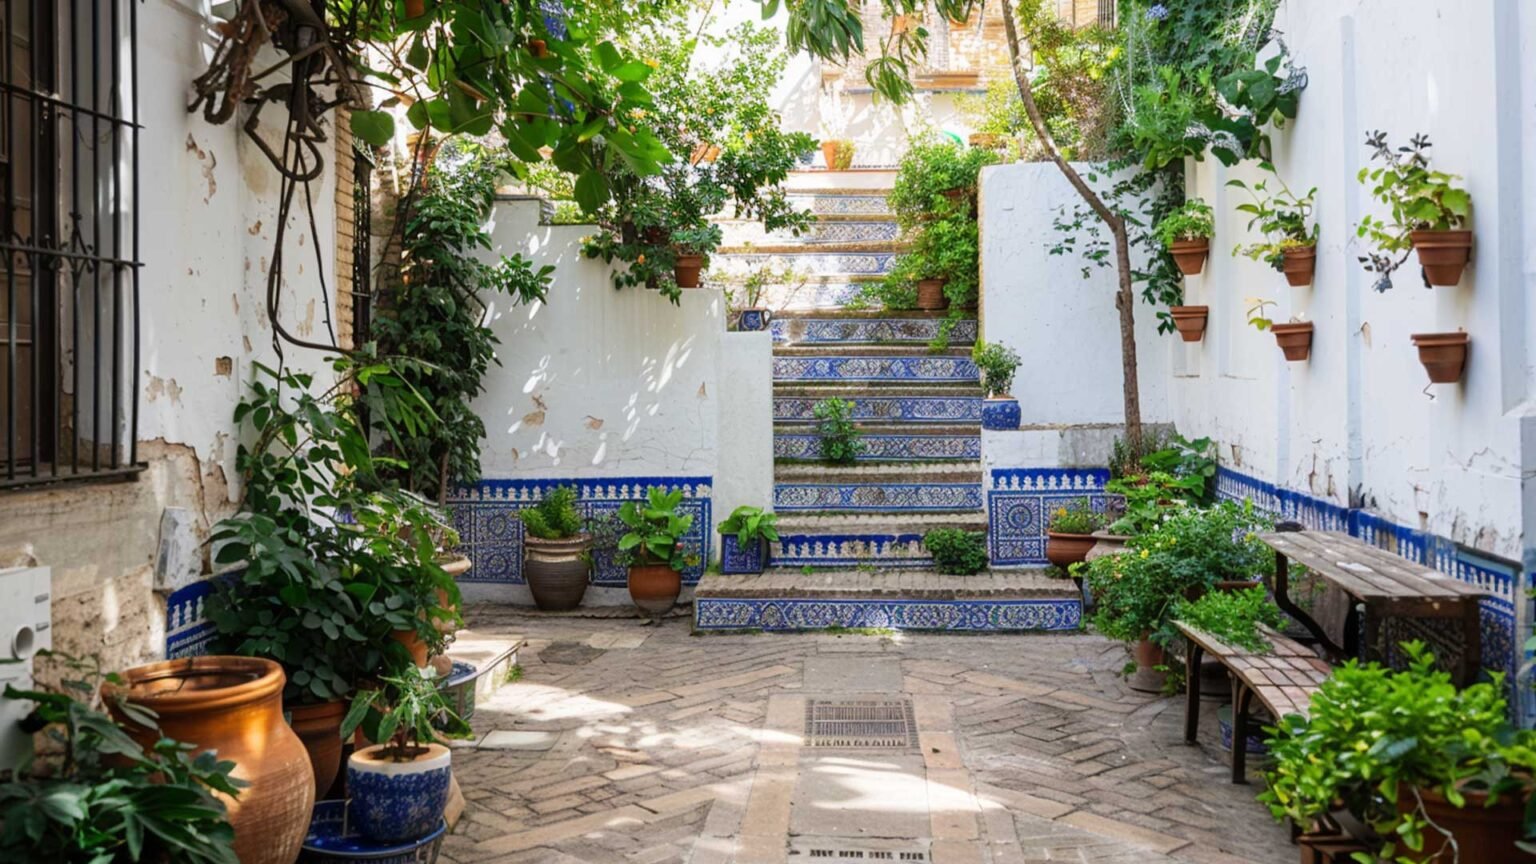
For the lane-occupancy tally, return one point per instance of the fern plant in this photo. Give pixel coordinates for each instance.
(555, 517)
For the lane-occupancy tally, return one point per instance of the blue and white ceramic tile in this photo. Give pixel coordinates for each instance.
(860, 368)
(888, 448)
(333, 837)
(842, 205)
(187, 628)
(885, 551)
(754, 319)
(734, 558)
(1000, 414)
(816, 331)
(811, 295)
(880, 497)
(813, 263)
(715, 613)
(1019, 503)
(485, 515)
(886, 409)
(849, 231)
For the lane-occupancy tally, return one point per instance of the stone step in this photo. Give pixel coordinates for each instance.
(802, 329)
(814, 293)
(909, 599)
(798, 249)
(876, 471)
(796, 404)
(950, 445)
(886, 495)
(840, 264)
(880, 368)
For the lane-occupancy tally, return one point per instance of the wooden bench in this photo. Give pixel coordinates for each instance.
(1283, 680)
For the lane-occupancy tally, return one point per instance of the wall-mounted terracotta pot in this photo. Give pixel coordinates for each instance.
(686, 269)
(1299, 263)
(1294, 339)
(1190, 255)
(1443, 254)
(1444, 355)
(930, 295)
(1191, 321)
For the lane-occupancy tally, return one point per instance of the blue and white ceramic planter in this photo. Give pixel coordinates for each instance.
(1000, 413)
(398, 801)
(333, 839)
(749, 559)
(754, 319)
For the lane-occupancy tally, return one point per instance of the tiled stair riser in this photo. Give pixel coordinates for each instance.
(829, 231)
(886, 409)
(811, 295)
(885, 447)
(811, 263)
(905, 369)
(712, 613)
(829, 204)
(876, 497)
(884, 551)
(820, 331)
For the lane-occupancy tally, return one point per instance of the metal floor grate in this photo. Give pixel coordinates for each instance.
(833, 850)
(860, 724)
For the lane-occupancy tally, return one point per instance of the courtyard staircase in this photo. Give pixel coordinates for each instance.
(850, 552)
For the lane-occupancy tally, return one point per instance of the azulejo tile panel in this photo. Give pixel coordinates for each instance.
(811, 262)
(835, 550)
(735, 558)
(187, 628)
(848, 231)
(485, 514)
(945, 369)
(833, 330)
(713, 613)
(811, 295)
(855, 497)
(843, 205)
(885, 447)
(1019, 503)
(887, 409)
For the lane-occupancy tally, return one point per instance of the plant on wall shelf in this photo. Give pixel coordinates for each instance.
(1258, 313)
(1186, 234)
(1285, 219)
(1427, 210)
(997, 363)
(840, 442)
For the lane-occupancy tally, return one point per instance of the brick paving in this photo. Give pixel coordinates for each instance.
(670, 747)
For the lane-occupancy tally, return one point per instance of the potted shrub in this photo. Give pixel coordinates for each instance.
(840, 442)
(557, 551)
(1186, 233)
(691, 247)
(1069, 533)
(1190, 321)
(1437, 771)
(398, 790)
(90, 796)
(1427, 210)
(746, 540)
(233, 707)
(997, 364)
(654, 549)
(956, 551)
(1444, 355)
(1290, 232)
(936, 178)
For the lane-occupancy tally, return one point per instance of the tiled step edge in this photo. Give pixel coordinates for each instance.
(980, 615)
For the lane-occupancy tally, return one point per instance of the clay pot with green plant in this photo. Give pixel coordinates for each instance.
(1190, 321)
(837, 153)
(1186, 233)
(1294, 337)
(1069, 532)
(653, 547)
(690, 249)
(996, 363)
(1444, 355)
(557, 552)
(1426, 212)
(1285, 219)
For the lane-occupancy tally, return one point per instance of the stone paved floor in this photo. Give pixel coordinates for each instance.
(661, 746)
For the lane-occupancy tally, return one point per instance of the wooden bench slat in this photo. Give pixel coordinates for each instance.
(1364, 571)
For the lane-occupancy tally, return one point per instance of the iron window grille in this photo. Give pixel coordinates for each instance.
(69, 288)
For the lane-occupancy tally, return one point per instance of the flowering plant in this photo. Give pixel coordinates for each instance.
(1075, 517)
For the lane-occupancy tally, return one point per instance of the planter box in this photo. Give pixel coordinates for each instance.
(736, 559)
(1000, 414)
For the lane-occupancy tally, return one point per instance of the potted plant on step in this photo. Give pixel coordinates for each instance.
(746, 540)
(690, 249)
(1069, 533)
(557, 552)
(654, 549)
(399, 789)
(746, 302)
(1427, 210)
(1187, 233)
(997, 364)
(1444, 355)
(1294, 337)
(1285, 220)
(837, 153)
(1436, 771)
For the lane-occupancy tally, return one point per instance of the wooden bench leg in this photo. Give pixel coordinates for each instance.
(1192, 690)
(1242, 699)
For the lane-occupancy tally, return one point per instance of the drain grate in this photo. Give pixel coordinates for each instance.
(832, 850)
(860, 724)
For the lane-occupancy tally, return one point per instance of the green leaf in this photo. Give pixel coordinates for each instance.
(375, 127)
(633, 71)
(591, 190)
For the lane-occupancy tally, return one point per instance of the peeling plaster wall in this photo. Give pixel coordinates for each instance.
(208, 208)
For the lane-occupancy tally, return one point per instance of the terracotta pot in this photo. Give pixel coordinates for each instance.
(1299, 263)
(1191, 321)
(1190, 255)
(415, 8)
(557, 571)
(1106, 543)
(233, 706)
(538, 48)
(1064, 550)
(414, 644)
(930, 295)
(984, 140)
(686, 270)
(1482, 833)
(1444, 355)
(957, 196)
(319, 727)
(829, 153)
(654, 588)
(1148, 655)
(1443, 254)
(1294, 339)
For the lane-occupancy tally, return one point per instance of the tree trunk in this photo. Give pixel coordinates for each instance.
(1125, 297)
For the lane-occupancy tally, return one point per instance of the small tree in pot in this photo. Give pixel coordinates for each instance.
(654, 549)
(997, 364)
(557, 551)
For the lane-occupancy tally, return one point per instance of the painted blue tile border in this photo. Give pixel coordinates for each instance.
(1019, 502)
(187, 629)
(484, 514)
(721, 613)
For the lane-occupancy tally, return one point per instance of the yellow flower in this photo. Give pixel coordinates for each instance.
(651, 62)
(641, 259)
(1146, 552)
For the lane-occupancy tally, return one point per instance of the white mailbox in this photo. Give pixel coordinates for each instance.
(24, 630)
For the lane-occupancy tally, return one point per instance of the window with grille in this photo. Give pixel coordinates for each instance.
(69, 281)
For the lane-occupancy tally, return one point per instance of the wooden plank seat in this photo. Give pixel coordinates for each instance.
(1283, 680)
